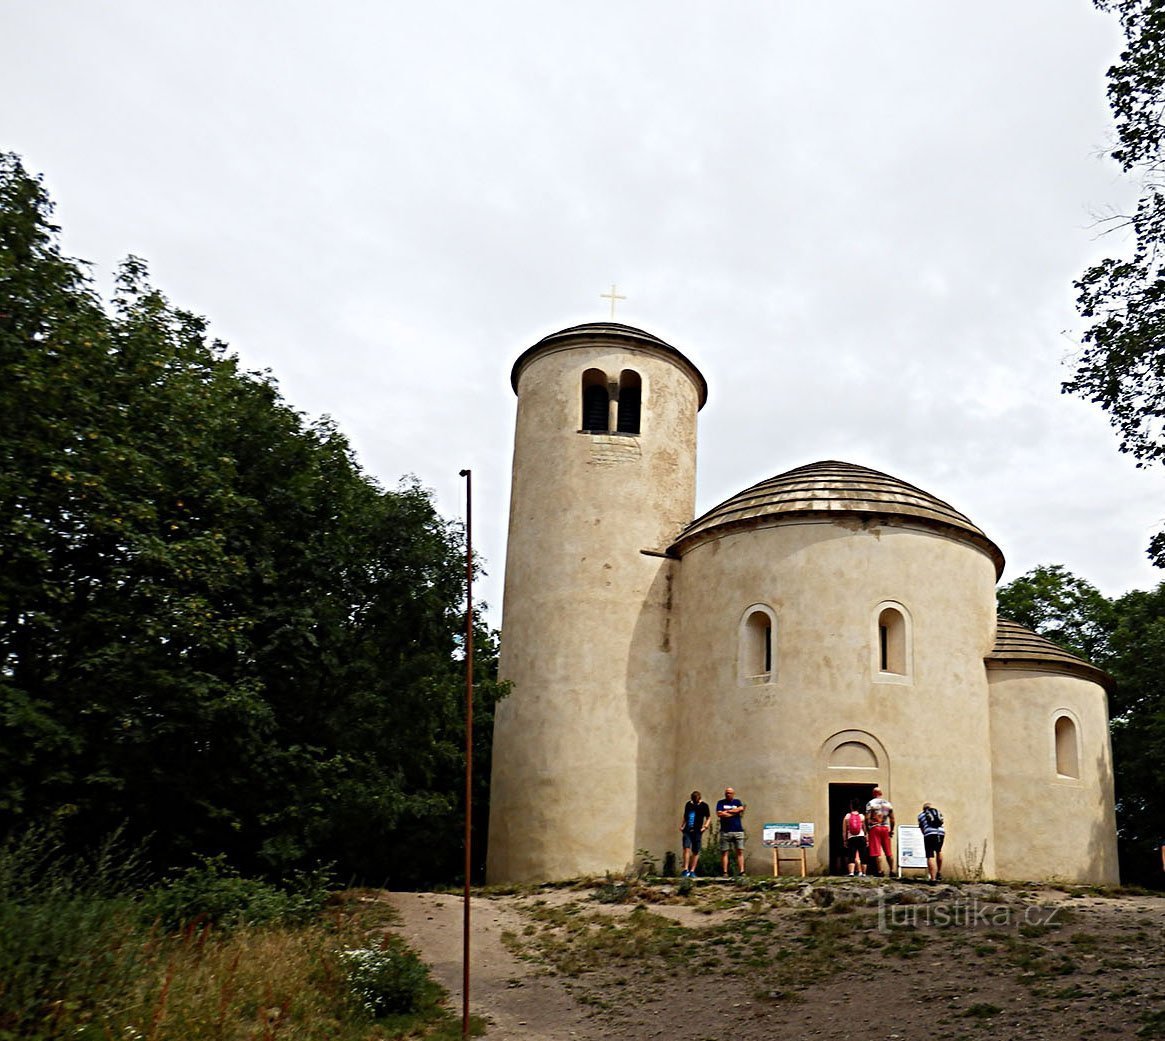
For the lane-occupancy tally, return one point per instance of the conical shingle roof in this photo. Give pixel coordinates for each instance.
(834, 487)
(1017, 647)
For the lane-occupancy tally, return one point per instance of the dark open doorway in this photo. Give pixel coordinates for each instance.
(840, 796)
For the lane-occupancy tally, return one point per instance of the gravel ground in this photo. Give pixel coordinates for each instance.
(833, 958)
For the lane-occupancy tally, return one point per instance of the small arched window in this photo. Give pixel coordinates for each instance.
(892, 649)
(757, 653)
(596, 402)
(1067, 747)
(630, 402)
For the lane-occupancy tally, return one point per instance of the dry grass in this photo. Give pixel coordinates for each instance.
(255, 983)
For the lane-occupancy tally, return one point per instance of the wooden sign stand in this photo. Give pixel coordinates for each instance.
(797, 855)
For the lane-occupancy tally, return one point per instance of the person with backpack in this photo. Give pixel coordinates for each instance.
(933, 833)
(853, 830)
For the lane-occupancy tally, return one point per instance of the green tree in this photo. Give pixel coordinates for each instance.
(1137, 663)
(213, 626)
(1070, 611)
(1122, 364)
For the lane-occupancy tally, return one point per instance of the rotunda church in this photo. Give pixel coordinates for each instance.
(826, 630)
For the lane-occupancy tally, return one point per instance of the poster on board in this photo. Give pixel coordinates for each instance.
(911, 850)
(784, 835)
(789, 835)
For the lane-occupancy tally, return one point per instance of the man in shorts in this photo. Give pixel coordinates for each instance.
(696, 819)
(730, 810)
(933, 834)
(879, 829)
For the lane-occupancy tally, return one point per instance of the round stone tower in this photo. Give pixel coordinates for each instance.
(604, 477)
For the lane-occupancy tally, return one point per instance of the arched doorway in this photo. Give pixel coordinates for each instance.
(853, 762)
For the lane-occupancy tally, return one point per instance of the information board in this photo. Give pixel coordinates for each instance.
(911, 849)
(789, 835)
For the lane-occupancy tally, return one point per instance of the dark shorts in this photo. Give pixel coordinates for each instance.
(933, 843)
(855, 846)
(731, 840)
(693, 840)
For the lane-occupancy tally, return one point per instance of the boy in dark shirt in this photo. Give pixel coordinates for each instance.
(697, 817)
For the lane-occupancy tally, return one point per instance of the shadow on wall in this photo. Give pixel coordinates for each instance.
(651, 707)
(1103, 862)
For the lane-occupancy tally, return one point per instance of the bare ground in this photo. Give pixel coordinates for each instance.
(833, 958)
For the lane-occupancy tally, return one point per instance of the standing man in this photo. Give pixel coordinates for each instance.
(730, 810)
(879, 831)
(697, 817)
(933, 834)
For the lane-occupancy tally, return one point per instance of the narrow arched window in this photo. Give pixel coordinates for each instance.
(1067, 748)
(892, 649)
(630, 402)
(596, 402)
(756, 656)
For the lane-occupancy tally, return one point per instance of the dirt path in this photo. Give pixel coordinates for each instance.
(805, 961)
(517, 1000)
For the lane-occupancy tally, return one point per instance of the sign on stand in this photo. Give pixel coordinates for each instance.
(911, 848)
(789, 835)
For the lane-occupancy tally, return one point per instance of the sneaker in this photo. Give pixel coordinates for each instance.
(938, 877)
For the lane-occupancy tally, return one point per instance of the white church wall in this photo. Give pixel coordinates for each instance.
(826, 582)
(1050, 824)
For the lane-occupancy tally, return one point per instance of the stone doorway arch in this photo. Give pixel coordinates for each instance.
(851, 763)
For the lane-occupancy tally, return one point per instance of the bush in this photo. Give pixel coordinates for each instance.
(709, 862)
(215, 893)
(389, 979)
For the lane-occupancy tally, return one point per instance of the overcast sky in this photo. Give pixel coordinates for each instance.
(861, 220)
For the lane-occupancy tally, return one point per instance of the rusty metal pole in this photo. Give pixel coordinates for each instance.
(468, 475)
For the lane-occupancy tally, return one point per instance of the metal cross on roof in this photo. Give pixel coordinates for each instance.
(612, 296)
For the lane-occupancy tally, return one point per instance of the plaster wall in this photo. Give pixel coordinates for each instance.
(587, 642)
(778, 742)
(1048, 825)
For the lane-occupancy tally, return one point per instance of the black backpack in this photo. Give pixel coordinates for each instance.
(933, 817)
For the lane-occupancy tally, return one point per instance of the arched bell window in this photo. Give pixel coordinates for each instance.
(630, 402)
(596, 402)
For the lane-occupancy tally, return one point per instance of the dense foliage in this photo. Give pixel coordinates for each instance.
(1122, 365)
(215, 630)
(1125, 636)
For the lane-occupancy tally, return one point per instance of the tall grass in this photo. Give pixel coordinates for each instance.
(87, 953)
(67, 932)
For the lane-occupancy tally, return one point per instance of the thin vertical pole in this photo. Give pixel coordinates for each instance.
(468, 475)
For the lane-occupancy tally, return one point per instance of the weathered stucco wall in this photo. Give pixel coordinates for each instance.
(583, 744)
(774, 742)
(1047, 824)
